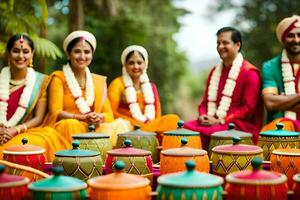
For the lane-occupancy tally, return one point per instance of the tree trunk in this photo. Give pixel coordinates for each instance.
(76, 17)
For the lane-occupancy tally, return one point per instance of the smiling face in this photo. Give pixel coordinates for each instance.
(81, 55)
(226, 48)
(20, 55)
(292, 42)
(135, 65)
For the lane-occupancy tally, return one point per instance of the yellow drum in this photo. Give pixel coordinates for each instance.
(172, 138)
(233, 157)
(278, 139)
(173, 160)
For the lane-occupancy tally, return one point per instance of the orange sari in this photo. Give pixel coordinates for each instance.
(61, 99)
(44, 137)
(116, 94)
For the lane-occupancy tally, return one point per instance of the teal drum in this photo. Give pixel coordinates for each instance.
(58, 187)
(98, 142)
(190, 185)
(172, 139)
(82, 164)
(277, 139)
(225, 137)
(141, 140)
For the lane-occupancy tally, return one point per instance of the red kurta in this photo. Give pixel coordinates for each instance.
(246, 109)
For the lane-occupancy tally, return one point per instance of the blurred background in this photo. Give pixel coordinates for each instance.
(178, 34)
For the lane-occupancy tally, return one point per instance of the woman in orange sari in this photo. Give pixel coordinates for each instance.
(23, 101)
(134, 98)
(77, 97)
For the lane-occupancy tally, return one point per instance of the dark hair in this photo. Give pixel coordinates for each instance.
(17, 37)
(236, 35)
(74, 42)
(130, 54)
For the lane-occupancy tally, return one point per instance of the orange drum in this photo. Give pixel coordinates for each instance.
(256, 184)
(26, 154)
(172, 138)
(119, 185)
(286, 161)
(173, 160)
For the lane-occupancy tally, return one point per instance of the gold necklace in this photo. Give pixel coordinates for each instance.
(16, 82)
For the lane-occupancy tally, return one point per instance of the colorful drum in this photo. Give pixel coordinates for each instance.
(173, 160)
(172, 138)
(119, 185)
(256, 184)
(137, 161)
(26, 154)
(141, 140)
(286, 161)
(189, 185)
(278, 139)
(225, 137)
(98, 142)
(233, 157)
(82, 164)
(13, 187)
(58, 187)
(296, 187)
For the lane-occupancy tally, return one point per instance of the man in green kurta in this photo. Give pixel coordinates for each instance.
(280, 76)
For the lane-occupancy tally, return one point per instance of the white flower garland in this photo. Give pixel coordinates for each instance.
(288, 81)
(225, 102)
(5, 77)
(82, 104)
(130, 92)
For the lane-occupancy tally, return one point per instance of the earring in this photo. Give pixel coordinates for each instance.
(30, 63)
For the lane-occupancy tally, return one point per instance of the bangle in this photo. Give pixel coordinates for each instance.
(24, 127)
(18, 130)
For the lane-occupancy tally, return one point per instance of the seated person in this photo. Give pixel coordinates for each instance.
(77, 97)
(232, 92)
(134, 98)
(23, 101)
(280, 77)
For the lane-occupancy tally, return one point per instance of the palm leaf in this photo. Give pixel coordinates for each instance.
(46, 48)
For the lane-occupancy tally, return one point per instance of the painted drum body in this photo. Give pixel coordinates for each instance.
(171, 139)
(141, 140)
(173, 160)
(189, 184)
(278, 139)
(233, 157)
(225, 137)
(58, 187)
(119, 185)
(296, 187)
(82, 164)
(286, 161)
(26, 154)
(13, 187)
(256, 184)
(137, 161)
(98, 142)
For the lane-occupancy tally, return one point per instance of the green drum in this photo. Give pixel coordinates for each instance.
(82, 164)
(98, 142)
(141, 140)
(58, 187)
(277, 139)
(225, 137)
(190, 185)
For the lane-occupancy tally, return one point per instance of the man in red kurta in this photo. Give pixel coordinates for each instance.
(232, 92)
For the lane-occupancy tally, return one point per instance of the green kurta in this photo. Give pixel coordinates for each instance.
(272, 82)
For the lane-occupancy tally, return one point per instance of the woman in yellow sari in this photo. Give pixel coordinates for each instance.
(77, 97)
(132, 93)
(23, 101)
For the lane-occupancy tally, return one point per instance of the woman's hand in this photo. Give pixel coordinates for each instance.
(94, 118)
(7, 134)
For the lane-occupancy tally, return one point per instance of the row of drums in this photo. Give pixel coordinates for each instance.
(92, 154)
